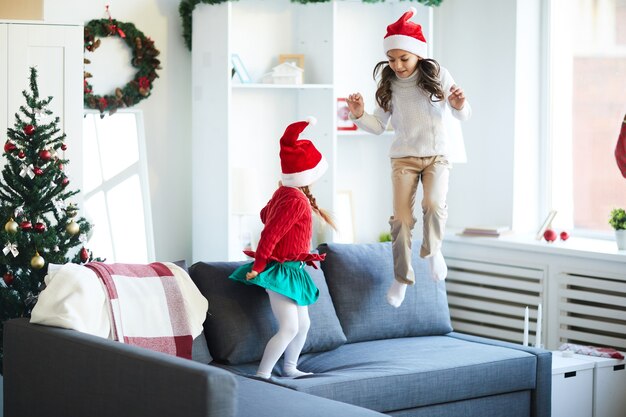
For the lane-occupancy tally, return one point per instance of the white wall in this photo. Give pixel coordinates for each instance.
(167, 112)
(476, 41)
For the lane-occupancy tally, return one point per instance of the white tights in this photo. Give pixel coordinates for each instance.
(293, 326)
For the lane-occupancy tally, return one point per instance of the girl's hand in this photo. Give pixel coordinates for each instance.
(251, 275)
(355, 104)
(456, 97)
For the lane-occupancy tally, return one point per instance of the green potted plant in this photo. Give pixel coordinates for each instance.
(617, 220)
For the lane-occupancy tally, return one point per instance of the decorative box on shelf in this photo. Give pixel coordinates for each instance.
(285, 73)
(572, 386)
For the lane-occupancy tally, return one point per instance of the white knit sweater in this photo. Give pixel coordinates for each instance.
(416, 120)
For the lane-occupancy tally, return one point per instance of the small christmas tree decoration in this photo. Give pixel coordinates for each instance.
(549, 235)
(64, 147)
(33, 189)
(9, 146)
(45, 155)
(11, 226)
(84, 255)
(72, 228)
(29, 130)
(8, 278)
(37, 261)
(564, 235)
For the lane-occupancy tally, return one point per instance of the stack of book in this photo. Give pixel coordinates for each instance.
(488, 231)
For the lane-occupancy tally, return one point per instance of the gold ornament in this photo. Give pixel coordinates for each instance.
(11, 226)
(72, 228)
(71, 210)
(37, 261)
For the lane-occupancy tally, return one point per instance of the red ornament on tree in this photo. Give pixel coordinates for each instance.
(84, 255)
(26, 226)
(39, 227)
(8, 278)
(60, 167)
(29, 130)
(38, 171)
(9, 146)
(63, 147)
(65, 181)
(549, 235)
(564, 235)
(45, 155)
(21, 155)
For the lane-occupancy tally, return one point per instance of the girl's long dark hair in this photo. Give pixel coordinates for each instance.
(427, 80)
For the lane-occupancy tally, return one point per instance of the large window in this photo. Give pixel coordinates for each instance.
(115, 186)
(587, 103)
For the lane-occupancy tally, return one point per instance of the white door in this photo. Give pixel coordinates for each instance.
(57, 53)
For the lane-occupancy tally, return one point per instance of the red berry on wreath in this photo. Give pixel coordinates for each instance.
(26, 226)
(549, 235)
(45, 155)
(564, 235)
(29, 130)
(63, 147)
(8, 278)
(9, 146)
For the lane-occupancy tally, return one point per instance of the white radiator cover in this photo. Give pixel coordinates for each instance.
(582, 289)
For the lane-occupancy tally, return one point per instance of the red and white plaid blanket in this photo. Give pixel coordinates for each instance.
(155, 306)
(147, 307)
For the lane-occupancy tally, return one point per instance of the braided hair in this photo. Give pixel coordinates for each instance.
(319, 211)
(428, 81)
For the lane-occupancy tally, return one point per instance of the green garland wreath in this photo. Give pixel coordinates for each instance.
(185, 9)
(144, 59)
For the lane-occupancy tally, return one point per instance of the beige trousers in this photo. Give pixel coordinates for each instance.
(406, 173)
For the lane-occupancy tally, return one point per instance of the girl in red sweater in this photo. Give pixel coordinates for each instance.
(284, 248)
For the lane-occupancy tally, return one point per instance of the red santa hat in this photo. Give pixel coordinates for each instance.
(620, 149)
(406, 35)
(302, 164)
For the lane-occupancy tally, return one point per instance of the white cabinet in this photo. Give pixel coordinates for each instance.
(572, 387)
(236, 127)
(57, 53)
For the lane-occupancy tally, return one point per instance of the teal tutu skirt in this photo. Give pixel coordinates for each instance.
(287, 278)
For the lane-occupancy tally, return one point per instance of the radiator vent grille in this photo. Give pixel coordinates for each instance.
(488, 299)
(592, 310)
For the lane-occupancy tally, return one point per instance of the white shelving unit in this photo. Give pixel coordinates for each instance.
(237, 126)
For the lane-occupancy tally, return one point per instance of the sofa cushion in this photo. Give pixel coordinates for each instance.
(240, 321)
(358, 276)
(397, 374)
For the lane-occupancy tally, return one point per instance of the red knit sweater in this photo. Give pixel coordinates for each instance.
(288, 229)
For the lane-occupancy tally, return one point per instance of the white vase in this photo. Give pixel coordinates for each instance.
(620, 238)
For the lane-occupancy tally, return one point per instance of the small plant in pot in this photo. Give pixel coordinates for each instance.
(617, 220)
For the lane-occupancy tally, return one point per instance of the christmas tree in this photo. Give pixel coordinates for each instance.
(41, 226)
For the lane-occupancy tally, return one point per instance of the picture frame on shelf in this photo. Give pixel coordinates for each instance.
(297, 59)
(546, 224)
(343, 112)
(240, 69)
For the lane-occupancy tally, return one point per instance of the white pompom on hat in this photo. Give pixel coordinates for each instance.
(301, 163)
(406, 35)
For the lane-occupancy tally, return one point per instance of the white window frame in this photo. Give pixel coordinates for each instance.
(139, 168)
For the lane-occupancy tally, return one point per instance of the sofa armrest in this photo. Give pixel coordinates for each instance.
(542, 394)
(56, 372)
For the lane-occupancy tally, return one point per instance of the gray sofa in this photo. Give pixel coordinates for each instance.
(368, 358)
